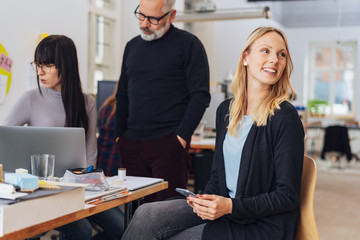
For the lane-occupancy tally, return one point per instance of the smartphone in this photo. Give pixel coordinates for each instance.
(185, 192)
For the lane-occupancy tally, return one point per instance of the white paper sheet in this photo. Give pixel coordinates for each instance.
(3, 85)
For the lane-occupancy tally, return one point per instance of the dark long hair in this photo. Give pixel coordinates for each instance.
(61, 51)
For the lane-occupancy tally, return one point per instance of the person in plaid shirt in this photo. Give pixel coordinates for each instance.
(108, 154)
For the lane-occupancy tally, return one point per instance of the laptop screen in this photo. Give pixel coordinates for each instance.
(17, 144)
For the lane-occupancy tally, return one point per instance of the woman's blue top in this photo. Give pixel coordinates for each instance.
(232, 149)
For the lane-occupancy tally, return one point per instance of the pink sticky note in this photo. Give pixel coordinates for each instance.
(5, 62)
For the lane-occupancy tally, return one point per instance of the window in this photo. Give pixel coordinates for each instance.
(104, 40)
(332, 79)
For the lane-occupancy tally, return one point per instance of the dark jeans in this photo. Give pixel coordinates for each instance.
(78, 230)
(111, 221)
(160, 158)
(172, 220)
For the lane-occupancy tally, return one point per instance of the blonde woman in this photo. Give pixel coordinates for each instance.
(254, 189)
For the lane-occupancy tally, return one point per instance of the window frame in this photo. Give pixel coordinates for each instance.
(332, 69)
(93, 64)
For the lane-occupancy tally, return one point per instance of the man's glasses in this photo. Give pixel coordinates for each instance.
(152, 20)
(44, 67)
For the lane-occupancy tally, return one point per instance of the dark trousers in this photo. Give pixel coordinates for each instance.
(160, 158)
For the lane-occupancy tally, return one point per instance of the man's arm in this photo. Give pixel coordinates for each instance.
(197, 82)
(122, 101)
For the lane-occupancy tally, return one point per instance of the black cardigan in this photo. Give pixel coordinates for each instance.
(268, 190)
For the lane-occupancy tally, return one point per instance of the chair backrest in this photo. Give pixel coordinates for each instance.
(336, 139)
(105, 89)
(307, 226)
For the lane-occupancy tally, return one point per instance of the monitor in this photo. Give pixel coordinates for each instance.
(210, 113)
(105, 89)
(17, 144)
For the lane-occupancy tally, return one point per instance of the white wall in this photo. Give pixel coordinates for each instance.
(223, 41)
(23, 21)
(130, 25)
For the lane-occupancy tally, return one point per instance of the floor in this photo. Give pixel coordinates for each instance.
(336, 203)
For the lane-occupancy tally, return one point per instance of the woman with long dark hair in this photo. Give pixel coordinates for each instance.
(59, 101)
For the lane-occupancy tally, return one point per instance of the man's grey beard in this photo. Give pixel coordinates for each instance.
(155, 34)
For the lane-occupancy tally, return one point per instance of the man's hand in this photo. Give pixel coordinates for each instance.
(182, 141)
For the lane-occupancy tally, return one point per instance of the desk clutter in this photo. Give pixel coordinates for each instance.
(17, 185)
(93, 178)
(98, 188)
(55, 199)
(23, 194)
(39, 206)
(44, 200)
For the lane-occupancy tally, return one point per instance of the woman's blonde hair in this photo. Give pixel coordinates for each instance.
(278, 93)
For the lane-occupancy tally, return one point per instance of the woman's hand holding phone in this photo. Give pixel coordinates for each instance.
(210, 207)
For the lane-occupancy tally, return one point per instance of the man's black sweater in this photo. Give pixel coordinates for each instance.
(163, 87)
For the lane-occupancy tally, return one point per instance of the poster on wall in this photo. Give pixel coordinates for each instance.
(5, 73)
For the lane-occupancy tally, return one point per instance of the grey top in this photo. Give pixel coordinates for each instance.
(47, 110)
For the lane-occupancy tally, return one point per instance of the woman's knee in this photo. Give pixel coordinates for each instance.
(147, 211)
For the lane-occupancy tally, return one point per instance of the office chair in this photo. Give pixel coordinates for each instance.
(307, 228)
(336, 144)
(105, 88)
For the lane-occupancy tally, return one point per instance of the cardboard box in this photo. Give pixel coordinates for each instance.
(34, 211)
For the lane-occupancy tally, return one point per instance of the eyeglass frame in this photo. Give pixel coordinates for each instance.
(36, 66)
(149, 18)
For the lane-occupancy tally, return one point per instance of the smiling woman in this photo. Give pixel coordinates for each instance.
(254, 188)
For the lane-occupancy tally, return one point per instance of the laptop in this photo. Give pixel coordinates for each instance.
(17, 144)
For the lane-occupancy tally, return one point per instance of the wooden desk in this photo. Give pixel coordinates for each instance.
(60, 221)
(206, 143)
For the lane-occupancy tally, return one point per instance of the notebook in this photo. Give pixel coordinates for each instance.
(133, 183)
(17, 144)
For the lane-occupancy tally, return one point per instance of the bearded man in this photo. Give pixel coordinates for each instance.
(162, 94)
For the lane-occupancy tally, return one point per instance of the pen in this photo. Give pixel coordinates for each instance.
(89, 169)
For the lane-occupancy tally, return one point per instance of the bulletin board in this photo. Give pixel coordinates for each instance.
(5, 73)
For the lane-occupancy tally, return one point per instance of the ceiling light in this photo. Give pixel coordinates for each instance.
(243, 13)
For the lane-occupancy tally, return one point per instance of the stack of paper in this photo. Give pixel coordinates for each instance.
(40, 206)
(6, 188)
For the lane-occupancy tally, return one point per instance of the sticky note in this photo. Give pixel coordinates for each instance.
(23, 180)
